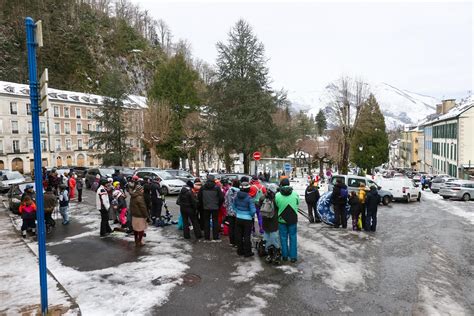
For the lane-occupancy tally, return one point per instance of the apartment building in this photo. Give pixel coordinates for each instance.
(64, 137)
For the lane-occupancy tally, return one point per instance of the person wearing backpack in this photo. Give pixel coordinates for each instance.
(257, 193)
(373, 200)
(228, 202)
(287, 202)
(245, 211)
(270, 227)
(311, 196)
(339, 200)
(188, 209)
(210, 199)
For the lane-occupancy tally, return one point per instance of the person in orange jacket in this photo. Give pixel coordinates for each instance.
(27, 211)
(72, 186)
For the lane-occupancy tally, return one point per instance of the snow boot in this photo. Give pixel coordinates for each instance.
(277, 256)
(33, 231)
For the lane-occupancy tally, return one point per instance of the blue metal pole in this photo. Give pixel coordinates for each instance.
(35, 112)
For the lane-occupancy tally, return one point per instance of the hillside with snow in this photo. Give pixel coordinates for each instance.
(400, 107)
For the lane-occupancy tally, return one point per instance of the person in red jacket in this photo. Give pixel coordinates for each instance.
(72, 186)
(27, 211)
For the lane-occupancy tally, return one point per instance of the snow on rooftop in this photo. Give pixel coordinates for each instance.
(18, 89)
(457, 110)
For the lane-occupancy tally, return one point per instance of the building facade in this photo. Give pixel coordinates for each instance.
(63, 128)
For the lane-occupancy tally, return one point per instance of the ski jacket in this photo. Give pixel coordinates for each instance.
(372, 201)
(311, 194)
(50, 202)
(79, 183)
(155, 193)
(362, 194)
(229, 200)
(27, 211)
(287, 202)
(64, 199)
(186, 199)
(102, 198)
(210, 196)
(336, 197)
(355, 205)
(243, 206)
(137, 202)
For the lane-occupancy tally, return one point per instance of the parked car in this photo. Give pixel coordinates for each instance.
(93, 172)
(458, 189)
(181, 174)
(402, 189)
(124, 171)
(438, 182)
(80, 171)
(169, 183)
(15, 193)
(232, 176)
(353, 183)
(417, 176)
(9, 178)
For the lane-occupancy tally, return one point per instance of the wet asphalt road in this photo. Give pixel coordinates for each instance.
(420, 261)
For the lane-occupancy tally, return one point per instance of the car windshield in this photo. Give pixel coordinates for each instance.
(106, 171)
(12, 175)
(165, 175)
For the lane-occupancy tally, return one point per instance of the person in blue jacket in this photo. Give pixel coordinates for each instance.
(245, 210)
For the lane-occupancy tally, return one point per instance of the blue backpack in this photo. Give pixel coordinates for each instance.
(344, 193)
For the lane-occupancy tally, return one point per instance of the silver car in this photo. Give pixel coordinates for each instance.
(459, 189)
(438, 182)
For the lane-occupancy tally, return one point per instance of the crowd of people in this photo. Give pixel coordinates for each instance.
(212, 209)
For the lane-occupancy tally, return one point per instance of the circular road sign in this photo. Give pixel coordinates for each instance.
(257, 155)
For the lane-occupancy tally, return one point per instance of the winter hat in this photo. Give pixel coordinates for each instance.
(97, 176)
(244, 179)
(190, 184)
(284, 182)
(116, 184)
(245, 186)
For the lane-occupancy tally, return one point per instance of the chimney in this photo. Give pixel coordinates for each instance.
(439, 108)
(448, 105)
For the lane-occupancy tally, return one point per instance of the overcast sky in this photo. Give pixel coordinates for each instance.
(422, 47)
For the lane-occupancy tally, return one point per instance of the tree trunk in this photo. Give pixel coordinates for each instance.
(190, 159)
(175, 163)
(153, 156)
(246, 163)
(345, 156)
(228, 162)
(196, 159)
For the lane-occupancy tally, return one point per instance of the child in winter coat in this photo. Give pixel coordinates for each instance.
(270, 227)
(64, 203)
(355, 209)
(50, 203)
(245, 210)
(27, 211)
(311, 196)
(362, 194)
(120, 207)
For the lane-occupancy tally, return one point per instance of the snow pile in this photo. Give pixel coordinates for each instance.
(458, 208)
(246, 270)
(20, 287)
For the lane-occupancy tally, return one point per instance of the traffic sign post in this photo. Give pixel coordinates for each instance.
(33, 37)
(287, 167)
(256, 156)
(44, 99)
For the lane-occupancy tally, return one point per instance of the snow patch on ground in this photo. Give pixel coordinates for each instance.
(457, 208)
(256, 300)
(19, 286)
(288, 269)
(246, 270)
(130, 288)
(437, 294)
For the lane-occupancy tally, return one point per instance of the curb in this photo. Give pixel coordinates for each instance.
(55, 309)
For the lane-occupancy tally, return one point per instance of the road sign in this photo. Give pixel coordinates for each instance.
(287, 166)
(257, 155)
(44, 99)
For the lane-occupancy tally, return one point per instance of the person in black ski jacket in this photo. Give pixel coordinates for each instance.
(372, 203)
(156, 200)
(311, 196)
(188, 208)
(147, 193)
(339, 200)
(210, 199)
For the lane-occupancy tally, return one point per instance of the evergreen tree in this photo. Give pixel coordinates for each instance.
(242, 104)
(369, 146)
(175, 83)
(321, 123)
(110, 140)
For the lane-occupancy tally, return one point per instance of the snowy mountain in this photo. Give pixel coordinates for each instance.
(400, 107)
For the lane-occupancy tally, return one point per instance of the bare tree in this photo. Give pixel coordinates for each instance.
(164, 36)
(157, 126)
(348, 96)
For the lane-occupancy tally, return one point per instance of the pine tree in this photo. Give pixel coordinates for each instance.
(110, 139)
(369, 147)
(175, 83)
(321, 123)
(242, 104)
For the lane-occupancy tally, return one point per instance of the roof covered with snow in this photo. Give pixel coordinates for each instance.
(458, 109)
(18, 89)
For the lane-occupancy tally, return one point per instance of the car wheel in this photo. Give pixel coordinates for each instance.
(419, 197)
(164, 191)
(466, 197)
(445, 197)
(386, 200)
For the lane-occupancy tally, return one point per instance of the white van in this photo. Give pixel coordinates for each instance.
(402, 189)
